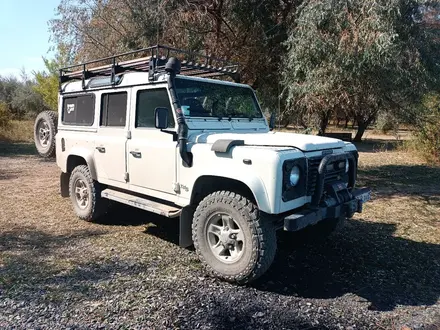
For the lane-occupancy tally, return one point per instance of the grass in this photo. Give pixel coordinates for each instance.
(18, 131)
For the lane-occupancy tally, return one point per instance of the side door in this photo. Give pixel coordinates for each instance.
(111, 140)
(151, 153)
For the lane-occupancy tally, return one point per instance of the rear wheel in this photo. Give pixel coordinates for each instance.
(45, 129)
(85, 194)
(232, 239)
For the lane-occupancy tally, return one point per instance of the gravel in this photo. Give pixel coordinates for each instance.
(127, 271)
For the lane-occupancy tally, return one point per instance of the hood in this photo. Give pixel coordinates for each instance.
(272, 139)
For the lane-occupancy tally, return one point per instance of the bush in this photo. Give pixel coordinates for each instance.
(386, 123)
(5, 115)
(428, 133)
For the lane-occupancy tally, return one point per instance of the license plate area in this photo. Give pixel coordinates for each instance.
(364, 196)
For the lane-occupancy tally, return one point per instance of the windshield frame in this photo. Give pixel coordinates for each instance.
(258, 112)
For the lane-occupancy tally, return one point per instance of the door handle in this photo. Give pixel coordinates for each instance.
(136, 154)
(100, 149)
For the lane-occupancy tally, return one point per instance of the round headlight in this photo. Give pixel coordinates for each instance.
(294, 176)
(347, 165)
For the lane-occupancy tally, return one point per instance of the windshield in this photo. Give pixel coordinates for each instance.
(205, 99)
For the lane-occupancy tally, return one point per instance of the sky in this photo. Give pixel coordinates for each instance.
(24, 34)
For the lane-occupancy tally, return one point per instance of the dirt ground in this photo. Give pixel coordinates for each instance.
(382, 271)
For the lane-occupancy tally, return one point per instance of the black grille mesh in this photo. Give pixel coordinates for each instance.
(312, 174)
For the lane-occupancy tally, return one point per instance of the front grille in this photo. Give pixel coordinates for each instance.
(312, 174)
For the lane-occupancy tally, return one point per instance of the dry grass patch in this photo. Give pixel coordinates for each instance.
(18, 131)
(406, 192)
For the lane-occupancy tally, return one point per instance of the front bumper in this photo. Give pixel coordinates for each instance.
(308, 217)
(331, 199)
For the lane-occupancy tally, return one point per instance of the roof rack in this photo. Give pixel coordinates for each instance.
(152, 60)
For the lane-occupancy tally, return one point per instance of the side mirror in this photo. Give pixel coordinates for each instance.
(161, 118)
(272, 121)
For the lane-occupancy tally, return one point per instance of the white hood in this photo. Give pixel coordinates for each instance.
(276, 139)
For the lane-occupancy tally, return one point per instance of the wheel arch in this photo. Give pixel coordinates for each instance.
(80, 156)
(251, 188)
(72, 161)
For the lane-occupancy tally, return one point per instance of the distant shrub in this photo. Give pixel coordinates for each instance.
(386, 123)
(5, 115)
(428, 133)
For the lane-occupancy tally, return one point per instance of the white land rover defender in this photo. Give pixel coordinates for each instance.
(159, 133)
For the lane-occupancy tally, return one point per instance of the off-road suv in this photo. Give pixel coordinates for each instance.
(166, 135)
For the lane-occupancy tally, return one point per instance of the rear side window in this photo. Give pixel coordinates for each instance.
(114, 109)
(79, 110)
(147, 101)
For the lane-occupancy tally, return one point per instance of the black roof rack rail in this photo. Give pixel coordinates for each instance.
(152, 60)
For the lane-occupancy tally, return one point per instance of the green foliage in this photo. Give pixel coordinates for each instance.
(386, 122)
(359, 57)
(247, 31)
(19, 96)
(428, 127)
(47, 84)
(5, 116)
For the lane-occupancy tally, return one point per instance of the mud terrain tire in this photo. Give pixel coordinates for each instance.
(257, 234)
(45, 129)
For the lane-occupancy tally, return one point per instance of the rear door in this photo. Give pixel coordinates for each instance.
(111, 141)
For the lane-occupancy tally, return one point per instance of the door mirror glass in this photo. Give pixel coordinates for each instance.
(161, 116)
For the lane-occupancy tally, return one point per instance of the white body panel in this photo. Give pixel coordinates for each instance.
(159, 172)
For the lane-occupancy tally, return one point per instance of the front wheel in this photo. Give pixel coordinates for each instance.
(232, 239)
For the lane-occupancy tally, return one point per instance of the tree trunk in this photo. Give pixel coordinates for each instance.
(303, 124)
(347, 119)
(362, 126)
(323, 123)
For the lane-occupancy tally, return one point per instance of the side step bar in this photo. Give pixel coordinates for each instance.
(142, 203)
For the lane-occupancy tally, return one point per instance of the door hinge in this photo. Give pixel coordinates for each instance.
(128, 135)
(127, 177)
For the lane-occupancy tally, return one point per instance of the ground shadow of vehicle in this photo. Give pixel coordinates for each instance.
(154, 224)
(364, 259)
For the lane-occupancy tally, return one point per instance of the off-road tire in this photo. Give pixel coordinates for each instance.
(260, 237)
(45, 142)
(97, 205)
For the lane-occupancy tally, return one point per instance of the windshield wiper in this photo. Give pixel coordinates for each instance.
(235, 114)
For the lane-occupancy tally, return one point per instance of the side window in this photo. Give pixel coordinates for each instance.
(79, 110)
(114, 109)
(147, 101)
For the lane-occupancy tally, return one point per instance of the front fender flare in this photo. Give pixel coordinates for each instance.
(253, 182)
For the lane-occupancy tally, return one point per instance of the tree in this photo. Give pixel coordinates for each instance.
(47, 84)
(19, 97)
(359, 56)
(250, 32)
(47, 81)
